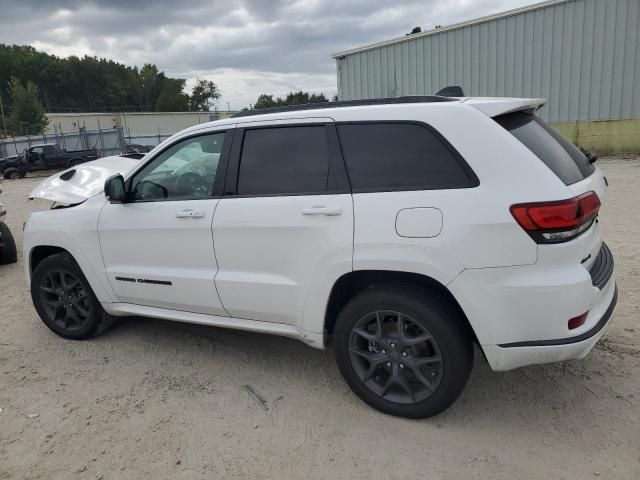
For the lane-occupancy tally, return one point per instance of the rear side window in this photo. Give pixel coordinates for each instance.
(562, 157)
(401, 156)
(285, 160)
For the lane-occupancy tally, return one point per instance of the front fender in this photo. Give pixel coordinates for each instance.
(80, 239)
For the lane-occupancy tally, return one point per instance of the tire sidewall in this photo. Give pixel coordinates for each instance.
(455, 347)
(8, 252)
(65, 263)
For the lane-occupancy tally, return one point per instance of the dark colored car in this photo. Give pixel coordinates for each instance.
(8, 252)
(45, 157)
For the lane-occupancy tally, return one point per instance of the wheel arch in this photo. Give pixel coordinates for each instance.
(79, 160)
(37, 249)
(352, 283)
(40, 252)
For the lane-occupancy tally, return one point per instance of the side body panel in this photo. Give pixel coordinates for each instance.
(279, 255)
(152, 257)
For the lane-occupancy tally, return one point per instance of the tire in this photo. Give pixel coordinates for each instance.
(8, 252)
(414, 374)
(57, 280)
(11, 174)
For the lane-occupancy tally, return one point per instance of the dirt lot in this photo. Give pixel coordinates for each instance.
(153, 399)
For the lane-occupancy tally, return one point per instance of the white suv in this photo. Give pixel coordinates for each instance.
(401, 231)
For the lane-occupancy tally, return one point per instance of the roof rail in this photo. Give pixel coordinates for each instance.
(346, 103)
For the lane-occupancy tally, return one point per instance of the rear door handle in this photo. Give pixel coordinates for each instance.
(322, 210)
(188, 213)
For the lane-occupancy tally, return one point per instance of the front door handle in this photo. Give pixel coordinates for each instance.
(188, 213)
(322, 210)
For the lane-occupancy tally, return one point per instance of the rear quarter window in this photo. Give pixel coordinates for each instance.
(388, 156)
(562, 157)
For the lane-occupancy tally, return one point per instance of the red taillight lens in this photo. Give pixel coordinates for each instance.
(577, 321)
(553, 222)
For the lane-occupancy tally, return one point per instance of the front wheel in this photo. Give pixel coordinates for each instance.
(8, 251)
(403, 351)
(64, 300)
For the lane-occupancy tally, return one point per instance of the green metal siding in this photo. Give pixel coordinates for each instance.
(582, 55)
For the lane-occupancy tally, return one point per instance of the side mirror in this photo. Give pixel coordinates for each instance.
(115, 190)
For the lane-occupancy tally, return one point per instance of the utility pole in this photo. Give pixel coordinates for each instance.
(4, 125)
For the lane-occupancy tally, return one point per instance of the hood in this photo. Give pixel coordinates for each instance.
(78, 183)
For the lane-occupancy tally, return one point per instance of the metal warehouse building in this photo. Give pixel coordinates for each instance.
(581, 55)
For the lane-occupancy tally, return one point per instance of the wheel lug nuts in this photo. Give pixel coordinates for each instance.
(384, 352)
(402, 365)
(388, 364)
(393, 345)
(404, 354)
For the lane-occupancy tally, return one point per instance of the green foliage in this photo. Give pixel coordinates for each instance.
(172, 97)
(292, 98)
(96, 84)
(415, 30)
(203, 96)
(27, 115)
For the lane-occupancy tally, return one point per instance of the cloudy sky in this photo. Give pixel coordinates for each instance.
(247, 47)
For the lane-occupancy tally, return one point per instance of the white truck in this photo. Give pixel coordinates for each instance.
(399, 231)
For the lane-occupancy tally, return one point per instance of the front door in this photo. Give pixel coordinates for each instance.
(158, 248)
(285, 224)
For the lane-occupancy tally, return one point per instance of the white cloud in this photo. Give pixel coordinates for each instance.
(247, 47)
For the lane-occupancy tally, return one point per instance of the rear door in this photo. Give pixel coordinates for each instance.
(285, 223)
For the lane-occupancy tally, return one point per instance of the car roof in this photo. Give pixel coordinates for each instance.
(491, 106)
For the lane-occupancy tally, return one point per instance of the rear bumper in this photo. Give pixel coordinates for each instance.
(520, 314)
(518, 354)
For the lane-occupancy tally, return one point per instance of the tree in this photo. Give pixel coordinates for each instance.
(292, 98)
(27, 113)
(172, 97)
(203, 96)
(149, 86)
(266, 101)
(415, 30)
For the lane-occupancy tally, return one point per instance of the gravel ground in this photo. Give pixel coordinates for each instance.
(154, 399)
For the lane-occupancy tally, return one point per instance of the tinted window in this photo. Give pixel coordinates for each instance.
(185, 170)
(562, 157)
(287, 160)
(50, 150)
(399, 156)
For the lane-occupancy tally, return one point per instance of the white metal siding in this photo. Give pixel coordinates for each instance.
(582, 55)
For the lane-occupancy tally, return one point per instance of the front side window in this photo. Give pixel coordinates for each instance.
(284, 161)
(400, 156)
(186, 170)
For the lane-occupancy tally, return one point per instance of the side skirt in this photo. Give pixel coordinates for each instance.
(312, 339)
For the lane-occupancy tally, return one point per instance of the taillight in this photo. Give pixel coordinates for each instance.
(577, 321)
(555, 222)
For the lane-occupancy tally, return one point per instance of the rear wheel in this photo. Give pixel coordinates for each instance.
(8, 251)
(11, 174)
(64, 300)
(402, 351)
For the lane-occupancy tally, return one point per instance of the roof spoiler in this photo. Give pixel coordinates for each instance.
(451, 91)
